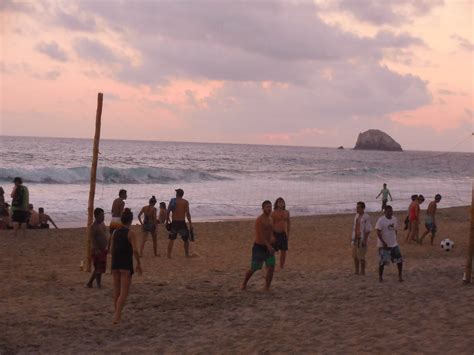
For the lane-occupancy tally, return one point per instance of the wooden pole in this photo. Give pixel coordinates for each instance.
(95, 157)
(470, 246)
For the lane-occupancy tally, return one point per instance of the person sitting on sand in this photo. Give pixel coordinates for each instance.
(414, 215)
(281, 229)
(20, 202)
(407, 219)
(262, 250)
(33, 217)
(178, 208)
(430, 221)
(117, 208)
(162, 213)
(100, 244)
(44, 219)
(148, 224)
(389, 250)
(124, 248)
(360, 234)
(385, 194)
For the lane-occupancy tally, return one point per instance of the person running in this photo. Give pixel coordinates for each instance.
(407, 219)
(178, 208)
(360, 235)
(33, 217)
(124, 249)
(100, 244)
(414, 216)
(281, 229)
(385, 194)
(44, 219)
(117, 209)
(389, 250)
(20, 202)
(430, 221)
(162, 213)
(262, 250)
(148, 224)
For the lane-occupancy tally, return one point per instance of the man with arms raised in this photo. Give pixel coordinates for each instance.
(117, 209)
(262, 251)
(387, 243)
(179, 210)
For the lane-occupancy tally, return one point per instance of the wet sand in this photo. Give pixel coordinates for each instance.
(194, 305)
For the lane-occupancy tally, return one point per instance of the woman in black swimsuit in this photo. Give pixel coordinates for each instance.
(124, 247)
(149, 224)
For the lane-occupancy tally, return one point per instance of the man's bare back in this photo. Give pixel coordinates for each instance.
(181, 209)
(117, 207)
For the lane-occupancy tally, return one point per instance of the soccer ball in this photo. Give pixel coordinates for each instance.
(447, 244)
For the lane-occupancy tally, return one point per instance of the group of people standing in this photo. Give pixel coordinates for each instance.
(21, 214)
(125, 245)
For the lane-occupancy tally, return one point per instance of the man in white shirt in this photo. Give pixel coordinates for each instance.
(360, 234)
(387, 243)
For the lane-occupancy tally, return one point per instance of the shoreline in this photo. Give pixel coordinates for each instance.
(247, 219)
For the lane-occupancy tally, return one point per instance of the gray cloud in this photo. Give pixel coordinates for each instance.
(15, 6)
(75, 21)
(464, 43)
(52, 50)
(95, 51)
(391, 12)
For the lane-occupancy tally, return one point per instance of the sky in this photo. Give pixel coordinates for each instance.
(262, 72)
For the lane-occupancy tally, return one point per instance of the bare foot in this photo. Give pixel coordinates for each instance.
(243, 287)
(356, 273)
(266, 289)
(380, 280)
(362, 273)
(116, 321)
(400, 279)
(89, 285)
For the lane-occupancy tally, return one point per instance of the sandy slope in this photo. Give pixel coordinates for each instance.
(195, 305)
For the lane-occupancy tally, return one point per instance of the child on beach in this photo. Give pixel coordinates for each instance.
(124, 249)
(281, 229)
(389, 250)
(262, 250)
(430, 221)
(100, 243)
(407, 219)
(162, 213)
(360, 234)
(148, 224)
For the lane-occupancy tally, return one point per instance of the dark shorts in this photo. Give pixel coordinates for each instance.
(431, 227)
(178, 227)
(260, 255)
(384, 204)
(281, 241)
(390, 255)
(149, 227)
(19, 216)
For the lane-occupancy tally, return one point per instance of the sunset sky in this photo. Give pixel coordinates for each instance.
(274, 72)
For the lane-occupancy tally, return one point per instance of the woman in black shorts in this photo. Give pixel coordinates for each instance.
(124, 247)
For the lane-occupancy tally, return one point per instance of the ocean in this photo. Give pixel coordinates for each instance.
(226, 181)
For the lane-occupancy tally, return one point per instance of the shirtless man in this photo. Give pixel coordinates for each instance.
(20, 201)
(430, 221)
(281, 228)
(117, 209)
(100, 246)
(33, 217)
(148, 224)
(44, 219)
(385, 194)
(262, 251)
(178, 208)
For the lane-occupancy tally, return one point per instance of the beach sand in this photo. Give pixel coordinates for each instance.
(195, 305)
